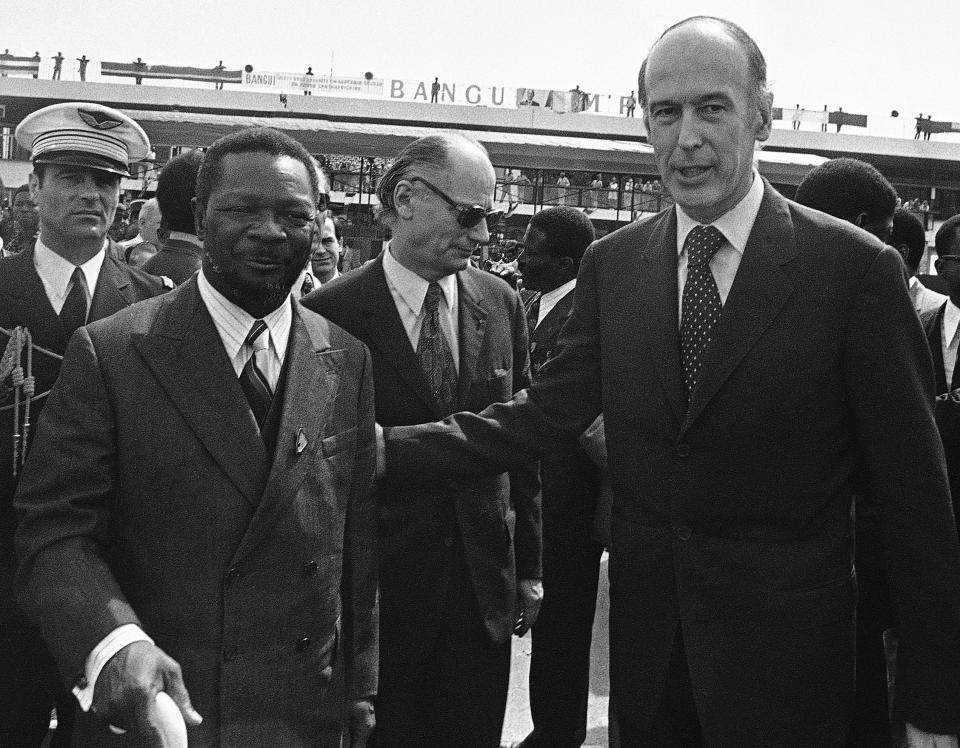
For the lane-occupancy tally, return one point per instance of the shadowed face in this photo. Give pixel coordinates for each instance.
(256, 228)
(703, 118)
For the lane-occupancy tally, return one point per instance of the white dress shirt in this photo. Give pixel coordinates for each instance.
(949, 339)
(232, 324)
(56, 273)
(550, 299)
(409, 291)
(735, 225)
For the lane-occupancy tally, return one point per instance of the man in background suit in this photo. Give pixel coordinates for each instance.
(181, 252)
(196, 513)
(458, 559)
(553, 246)
(65, 278)
(746, 352)
(910, 239)
(942, 326)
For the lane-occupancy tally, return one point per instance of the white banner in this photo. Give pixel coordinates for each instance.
(337, 85)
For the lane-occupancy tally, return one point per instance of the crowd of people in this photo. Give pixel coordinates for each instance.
(252, 499)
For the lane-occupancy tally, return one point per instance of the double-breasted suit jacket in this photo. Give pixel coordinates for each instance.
(731, 517)
(151, 498)
(498, 517)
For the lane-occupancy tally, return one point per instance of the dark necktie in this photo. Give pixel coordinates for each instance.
(253, 381)
(307, 285)
(533, 313)
(74, 311)
(701, 302)
(433, 352)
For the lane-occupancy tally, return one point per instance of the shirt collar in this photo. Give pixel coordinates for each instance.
(56, 270)
(951, 319)
(412, 288)
(185, 237)
(735, 225)
(558, 293)
(233, 323)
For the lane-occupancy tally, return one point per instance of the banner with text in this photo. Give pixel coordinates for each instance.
(336, 85)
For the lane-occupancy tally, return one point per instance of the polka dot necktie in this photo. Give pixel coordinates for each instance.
(434, 354)
(701, 302)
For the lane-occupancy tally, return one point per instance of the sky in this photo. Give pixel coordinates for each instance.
(869, 57)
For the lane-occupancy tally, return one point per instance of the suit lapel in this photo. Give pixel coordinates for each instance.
(933, 328)
(472, 323)
(186, 355)
(313, 372)
(383, 330)
(759, 291)
(29, 295)
(113, 289)
(657, 271)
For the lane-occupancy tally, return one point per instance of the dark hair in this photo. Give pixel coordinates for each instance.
(176, 187)
(847, 187)
(432, 151)
(252, 140)
(946, 235)
(756, 63)
(569, 232)
(908, 231)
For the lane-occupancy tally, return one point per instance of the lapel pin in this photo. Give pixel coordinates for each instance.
(301, 441)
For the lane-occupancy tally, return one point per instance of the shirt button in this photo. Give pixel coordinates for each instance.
(683, 449)
(448, 542)
(302, 643)
(683, 532)
(233, 573)
(310, 567)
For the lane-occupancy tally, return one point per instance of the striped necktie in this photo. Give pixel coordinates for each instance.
(253, 381)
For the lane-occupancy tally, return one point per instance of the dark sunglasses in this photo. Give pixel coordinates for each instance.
(468, 216)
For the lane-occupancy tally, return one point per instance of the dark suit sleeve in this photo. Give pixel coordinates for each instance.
(562, 402)
(525, 480)
(889, 376)
(64, 583)
(359, 586)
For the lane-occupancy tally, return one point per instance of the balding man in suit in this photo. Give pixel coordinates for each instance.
(746, 353)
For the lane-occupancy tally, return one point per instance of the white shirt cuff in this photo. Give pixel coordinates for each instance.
(112, 643)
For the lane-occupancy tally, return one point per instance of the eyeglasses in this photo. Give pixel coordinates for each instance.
(468, 216)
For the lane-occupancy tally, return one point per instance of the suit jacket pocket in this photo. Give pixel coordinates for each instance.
(336, 443)
(822, 604)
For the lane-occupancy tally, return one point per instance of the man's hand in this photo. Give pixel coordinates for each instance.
(529, 597)
(917, 738)
(360, 721)
(125, 695)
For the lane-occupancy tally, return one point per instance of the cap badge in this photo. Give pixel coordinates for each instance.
(98, 120)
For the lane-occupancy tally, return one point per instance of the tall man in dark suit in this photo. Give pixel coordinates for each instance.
(196, 512)
(181, 251)
(458, 558)
(65, 278)
(746, 352)
(942, 326)
(553, 246)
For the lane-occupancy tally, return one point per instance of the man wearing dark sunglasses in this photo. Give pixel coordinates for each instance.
(459, 559)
